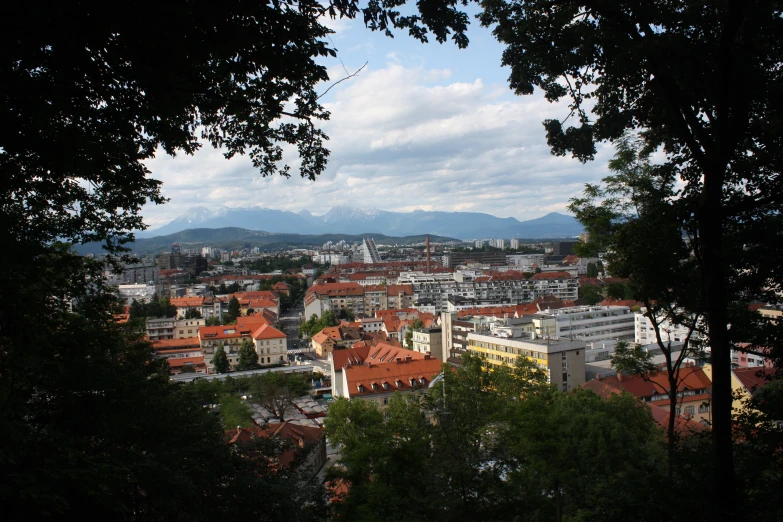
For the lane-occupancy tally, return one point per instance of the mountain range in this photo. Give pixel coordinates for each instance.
(349, 220)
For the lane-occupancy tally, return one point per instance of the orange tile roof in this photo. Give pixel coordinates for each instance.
(186, 302)
(691, 378)
(336, 289)
(173, 344)
(268, 332)
(252, 319)
(179, 362)
(399, 289)
(225, 332)
(396, 375)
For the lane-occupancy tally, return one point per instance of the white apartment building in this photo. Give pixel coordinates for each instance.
(479, 243)
(514, 244)
(644, 333)
(331, 258)
(592, 323)
(141, 293)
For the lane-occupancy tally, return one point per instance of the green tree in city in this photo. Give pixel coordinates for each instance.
(212, 321)
(220, 360)
(248, 358)
(276, 391)
(592, 270)
(233, 307)
(590, 294)
(416, 324)
(193, 313)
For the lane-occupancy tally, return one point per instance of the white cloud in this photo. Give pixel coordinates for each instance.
(403, 138)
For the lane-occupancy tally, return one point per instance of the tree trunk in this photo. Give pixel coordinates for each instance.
(711, 229)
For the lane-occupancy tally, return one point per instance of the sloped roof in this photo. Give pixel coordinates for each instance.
(179, 362)
(692, 378)
(268, 332)
(753, 378)
(397, 376)
(173, 344)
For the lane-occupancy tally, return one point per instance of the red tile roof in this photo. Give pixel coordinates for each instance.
(753, 378)
(179, 362)
(174, 344)
(336, 289)
(692, 378)
(268, 332)
(405, 375)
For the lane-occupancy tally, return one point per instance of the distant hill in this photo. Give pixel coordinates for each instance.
(236, 238)
(349, 220)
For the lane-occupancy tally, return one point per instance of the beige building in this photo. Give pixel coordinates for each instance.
(170, 328)
(429, 340)
(564, 361)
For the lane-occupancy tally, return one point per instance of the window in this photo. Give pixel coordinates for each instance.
(690, 410)
(386, 400)
(704, 407)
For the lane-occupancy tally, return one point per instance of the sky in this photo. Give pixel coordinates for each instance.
(422, 126)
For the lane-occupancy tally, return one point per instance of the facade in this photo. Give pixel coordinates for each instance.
(514, 244)
(564, 361)
(171, 328)
(429, 340)
(370, 251)
(454, 259)
(563, 248)
(591, 323)
(270, 344)
(644, 333)
(377, 382)
(140, 292)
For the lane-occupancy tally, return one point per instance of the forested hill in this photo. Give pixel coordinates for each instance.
(234, 238)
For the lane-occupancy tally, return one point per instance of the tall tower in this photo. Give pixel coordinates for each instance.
(428, 255)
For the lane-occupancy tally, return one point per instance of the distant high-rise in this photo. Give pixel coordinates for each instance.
(479, 243)
(370, 251)
(515, 244)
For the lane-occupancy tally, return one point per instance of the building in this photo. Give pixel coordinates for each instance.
(644, 333)
(429, 340)
(479, 243)
(589, 323)
(270, 344)
(564, 361)
(563, 248)
(171, 328)
(144, 272)
(334, 337)
(370, 251)
(139, 292)
(514, 244)
(453, 260)
(176, 259)
(694, 391)
(376, 373)
(335, 297)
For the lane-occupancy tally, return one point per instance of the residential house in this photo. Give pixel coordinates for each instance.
(694, 392)
(309, 443)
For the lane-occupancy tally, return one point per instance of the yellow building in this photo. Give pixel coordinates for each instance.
(564, 361)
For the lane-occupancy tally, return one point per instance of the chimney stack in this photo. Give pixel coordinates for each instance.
(428, 254)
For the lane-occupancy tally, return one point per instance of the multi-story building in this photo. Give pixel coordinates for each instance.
(139, 292)
(270, 344)
(454, 259)
(375, 373)
(171, 328)
(590, 323)
(370, 251)
(563, 248)
(644, 332)
(334, 297)
(429, 340)
(479, 243)
(563, 361)
(514, 244)
(146, 271)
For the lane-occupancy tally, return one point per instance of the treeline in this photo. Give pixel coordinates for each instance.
(504, 445)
